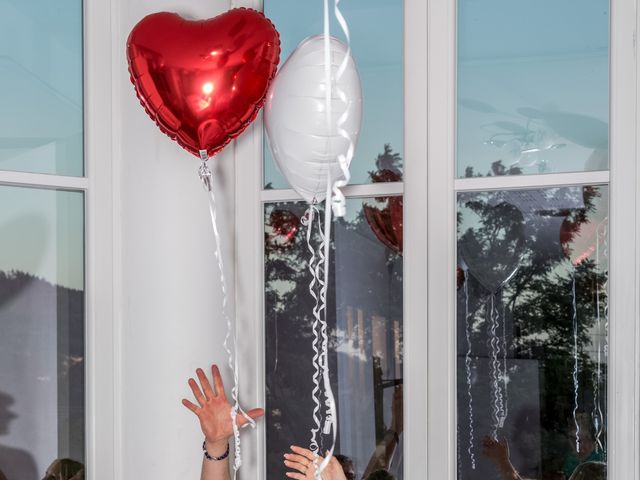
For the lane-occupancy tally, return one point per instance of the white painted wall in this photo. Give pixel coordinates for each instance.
(170, 286)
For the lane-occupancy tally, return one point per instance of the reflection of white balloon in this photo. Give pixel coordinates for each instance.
(304, 144)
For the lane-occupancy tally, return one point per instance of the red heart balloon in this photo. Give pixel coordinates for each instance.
(203, 82)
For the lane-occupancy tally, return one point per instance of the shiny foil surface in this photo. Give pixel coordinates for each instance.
(203, 82)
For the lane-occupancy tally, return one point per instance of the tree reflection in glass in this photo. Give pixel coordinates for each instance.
(532, 332)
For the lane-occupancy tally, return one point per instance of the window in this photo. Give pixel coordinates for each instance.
(366, 325)
(526, 320)
(366, 286)
(533, 87)
(42, 95)
(532, 323)
(532, 316)
(42, 245)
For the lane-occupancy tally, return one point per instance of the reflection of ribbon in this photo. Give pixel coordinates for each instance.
(598, 416)
(206, 177)
(505, 371)
(576, 386)
(497, 407)
(314, 268)
(468, 362)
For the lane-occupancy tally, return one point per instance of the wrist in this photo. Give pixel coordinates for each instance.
(391, 435)
(216, 448)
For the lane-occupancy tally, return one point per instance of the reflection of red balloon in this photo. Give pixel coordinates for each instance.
(460, 277)
(386, 223)
(204, 81)
(582, 230)
(282, 228)
(578, 240)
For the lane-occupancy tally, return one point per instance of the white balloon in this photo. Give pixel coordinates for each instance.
(305, 147)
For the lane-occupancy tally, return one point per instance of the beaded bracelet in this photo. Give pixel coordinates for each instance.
(210, 457)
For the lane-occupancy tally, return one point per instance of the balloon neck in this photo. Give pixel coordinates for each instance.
(206, 176)
(204, 155)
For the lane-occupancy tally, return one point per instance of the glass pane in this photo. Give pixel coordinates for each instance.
(532, 333)
(42, 340)
(41, 86)
(377, 40)
(533, 87)
(366, 325)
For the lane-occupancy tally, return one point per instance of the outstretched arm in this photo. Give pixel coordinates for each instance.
(214, 413)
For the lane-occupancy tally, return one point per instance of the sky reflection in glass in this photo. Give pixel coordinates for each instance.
(533, 86)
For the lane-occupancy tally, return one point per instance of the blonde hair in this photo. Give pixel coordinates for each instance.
(65, 469)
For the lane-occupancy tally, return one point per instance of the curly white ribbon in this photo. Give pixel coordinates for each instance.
(331, 415)
(338, 201)
(232, 352)
(338, 205)
(318, 267)
(314, 268)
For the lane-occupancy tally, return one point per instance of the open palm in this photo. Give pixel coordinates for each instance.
(213, 409)
(303, 463)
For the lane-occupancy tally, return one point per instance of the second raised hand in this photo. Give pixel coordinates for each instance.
(303, 462)
(214, 410)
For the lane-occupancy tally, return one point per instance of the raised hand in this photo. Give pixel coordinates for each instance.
(496, 450)
(301, 461)
(214, 410)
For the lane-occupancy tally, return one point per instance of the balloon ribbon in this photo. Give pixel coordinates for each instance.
(321, 261)
(338, 201)
(319, 269)
(230, 347)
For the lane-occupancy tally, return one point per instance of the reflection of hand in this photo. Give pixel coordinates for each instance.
(214, 411)
(397, 416)
(302, 461)
(496, 450)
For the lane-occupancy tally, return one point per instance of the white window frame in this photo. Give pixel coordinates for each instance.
(103, 56)
(429, 283)
(101, 359)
